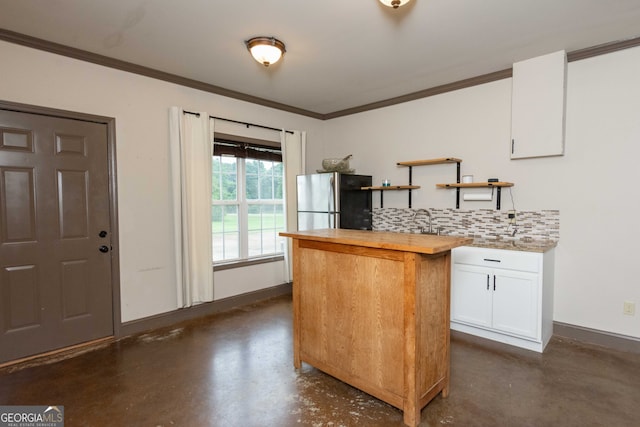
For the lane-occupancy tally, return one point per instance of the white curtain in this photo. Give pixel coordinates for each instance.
(191, 145)
(293, 159)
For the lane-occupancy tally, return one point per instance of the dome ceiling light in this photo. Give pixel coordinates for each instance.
(266, 50)
(394, 3)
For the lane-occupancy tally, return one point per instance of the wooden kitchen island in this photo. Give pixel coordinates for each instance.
(372, 309)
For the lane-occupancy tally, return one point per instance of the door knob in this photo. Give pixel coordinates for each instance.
(102, 234)
(103, 248)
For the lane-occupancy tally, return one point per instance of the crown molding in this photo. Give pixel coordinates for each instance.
(437, 90)
(602, 49)
(83, 55)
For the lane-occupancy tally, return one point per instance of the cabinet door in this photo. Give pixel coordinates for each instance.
(471, 295)
(538, 106)
(515, 303)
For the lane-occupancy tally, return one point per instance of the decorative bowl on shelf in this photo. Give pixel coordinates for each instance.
(346, 171)
(336, 165)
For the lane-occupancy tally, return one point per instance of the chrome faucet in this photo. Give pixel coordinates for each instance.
(428, 214)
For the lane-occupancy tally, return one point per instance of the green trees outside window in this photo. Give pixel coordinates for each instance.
(247, 208)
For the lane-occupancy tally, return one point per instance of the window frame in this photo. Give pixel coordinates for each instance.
(243, 148)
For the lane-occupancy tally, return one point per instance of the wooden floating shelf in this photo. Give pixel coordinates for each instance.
(391, 187)
(460, 185)
(475, 185)
(430, 162)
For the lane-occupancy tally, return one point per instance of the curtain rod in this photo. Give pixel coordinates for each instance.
(238, 122)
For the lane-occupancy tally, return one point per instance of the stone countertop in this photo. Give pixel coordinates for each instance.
(526, 245)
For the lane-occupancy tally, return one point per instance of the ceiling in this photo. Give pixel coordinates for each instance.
(340, 54)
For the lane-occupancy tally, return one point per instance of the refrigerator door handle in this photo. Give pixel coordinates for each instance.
(329, 200)
(332, 184)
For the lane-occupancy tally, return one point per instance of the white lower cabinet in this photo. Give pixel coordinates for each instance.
(503, 295)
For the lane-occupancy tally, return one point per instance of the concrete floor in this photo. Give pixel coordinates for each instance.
(236, 369)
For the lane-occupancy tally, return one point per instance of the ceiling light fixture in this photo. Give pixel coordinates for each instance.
(394, 3)
(265, 50)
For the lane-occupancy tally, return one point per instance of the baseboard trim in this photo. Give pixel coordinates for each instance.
(594, 336)
(55, 355)
(172, 317)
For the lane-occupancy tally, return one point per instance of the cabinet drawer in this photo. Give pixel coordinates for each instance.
(498, 258)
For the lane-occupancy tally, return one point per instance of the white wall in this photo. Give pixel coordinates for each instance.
(593, 184)
(140, 106)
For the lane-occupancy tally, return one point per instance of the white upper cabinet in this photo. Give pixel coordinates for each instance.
(538, 106)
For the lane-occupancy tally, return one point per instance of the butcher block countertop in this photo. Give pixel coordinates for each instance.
(416, 243)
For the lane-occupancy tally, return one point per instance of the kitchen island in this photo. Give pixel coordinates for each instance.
(372, 309)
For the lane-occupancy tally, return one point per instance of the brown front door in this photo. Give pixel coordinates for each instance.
(55, 237)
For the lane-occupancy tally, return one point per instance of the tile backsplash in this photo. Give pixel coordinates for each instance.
(486, 223)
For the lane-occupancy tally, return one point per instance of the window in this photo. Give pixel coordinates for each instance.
(247, 199)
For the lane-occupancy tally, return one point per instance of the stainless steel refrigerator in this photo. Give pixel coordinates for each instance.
(333, 200)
